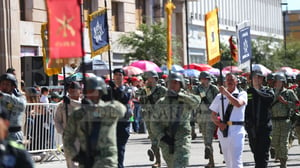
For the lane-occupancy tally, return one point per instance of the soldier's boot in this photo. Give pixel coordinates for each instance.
(207, 152)
(282, 163)
(194, 135)
(150, 154)
(272, 152)
(156, 152)
(211, 162)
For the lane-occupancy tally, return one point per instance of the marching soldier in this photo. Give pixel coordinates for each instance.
(12, 154)
(207, 92)
(258, 119)
(148, 97)
(282, 108)
(94, 124)
(297, 122)
(13, 104)
(172, 122)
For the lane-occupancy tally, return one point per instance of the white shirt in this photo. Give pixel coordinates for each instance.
(237, 114)
(44, 99)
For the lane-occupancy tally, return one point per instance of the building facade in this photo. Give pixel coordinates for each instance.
(292, 23)
(20, 27)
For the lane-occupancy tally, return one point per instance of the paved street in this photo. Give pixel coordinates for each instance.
(136, 156)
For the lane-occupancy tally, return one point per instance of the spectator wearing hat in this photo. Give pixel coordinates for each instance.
(55, 97)
(72, 101)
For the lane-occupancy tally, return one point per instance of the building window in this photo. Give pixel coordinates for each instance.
(117, 18)
(22, 10)
(140, 12)
(114, 16)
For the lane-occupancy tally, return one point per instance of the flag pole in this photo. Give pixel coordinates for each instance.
(187, 34)
(221, 67)
(109, 55)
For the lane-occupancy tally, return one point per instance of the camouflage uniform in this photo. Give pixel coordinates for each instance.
(206, 126)
(148, 97)
(168, 111)
(102, 117)
(281, 122)
(15, 106)
(297, 124)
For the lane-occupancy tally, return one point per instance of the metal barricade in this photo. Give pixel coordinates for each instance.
(39, 130)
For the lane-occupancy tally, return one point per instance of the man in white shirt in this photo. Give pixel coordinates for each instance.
(231, 130)
(44, 95)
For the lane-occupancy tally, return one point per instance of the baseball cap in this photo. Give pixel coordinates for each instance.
(258, 73)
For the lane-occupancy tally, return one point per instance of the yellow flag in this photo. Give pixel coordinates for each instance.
(48, 70)
(212, 37)
(169, 9)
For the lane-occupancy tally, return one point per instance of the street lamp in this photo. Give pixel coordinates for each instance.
(284, 13)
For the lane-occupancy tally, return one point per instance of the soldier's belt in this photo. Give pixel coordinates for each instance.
(280, 118)
(14, 129)
(229, 123)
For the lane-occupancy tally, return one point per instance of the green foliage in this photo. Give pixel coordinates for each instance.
(271, 53)
(226, 58)
(149, 43)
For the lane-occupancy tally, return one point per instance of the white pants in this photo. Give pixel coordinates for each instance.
(232, 148)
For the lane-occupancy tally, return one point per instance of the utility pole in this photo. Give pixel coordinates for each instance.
(284, 14)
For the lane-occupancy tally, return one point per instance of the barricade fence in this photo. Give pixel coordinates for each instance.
(39, 129)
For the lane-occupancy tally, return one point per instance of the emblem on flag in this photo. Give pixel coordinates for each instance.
(65, 29)
(98, 32)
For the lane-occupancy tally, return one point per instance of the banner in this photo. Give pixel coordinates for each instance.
(244, 44)
(169, 9)
(212, 37)
(98, 32)
(233, 50)
(44, 35)
(65, 29)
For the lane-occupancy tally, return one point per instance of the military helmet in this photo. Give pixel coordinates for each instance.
(204, 74)
(10, 77)
(150, 74)
(270, 76)
(280, 77)
(177, 77)
(96, 83)
(298, 77)
(257, 73)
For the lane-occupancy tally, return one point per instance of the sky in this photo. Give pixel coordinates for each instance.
(292, 4)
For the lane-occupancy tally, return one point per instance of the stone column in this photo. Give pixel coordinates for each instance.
(10, 36)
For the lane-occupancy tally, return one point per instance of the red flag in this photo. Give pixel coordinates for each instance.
(65, 29)
(233, 50)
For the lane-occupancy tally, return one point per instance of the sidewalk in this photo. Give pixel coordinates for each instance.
(136, 155)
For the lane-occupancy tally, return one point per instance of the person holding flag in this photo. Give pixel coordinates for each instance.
(231, 132)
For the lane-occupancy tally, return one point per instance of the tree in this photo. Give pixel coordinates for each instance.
(149, 43)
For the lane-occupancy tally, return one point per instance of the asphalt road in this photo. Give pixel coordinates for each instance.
(136, 155)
